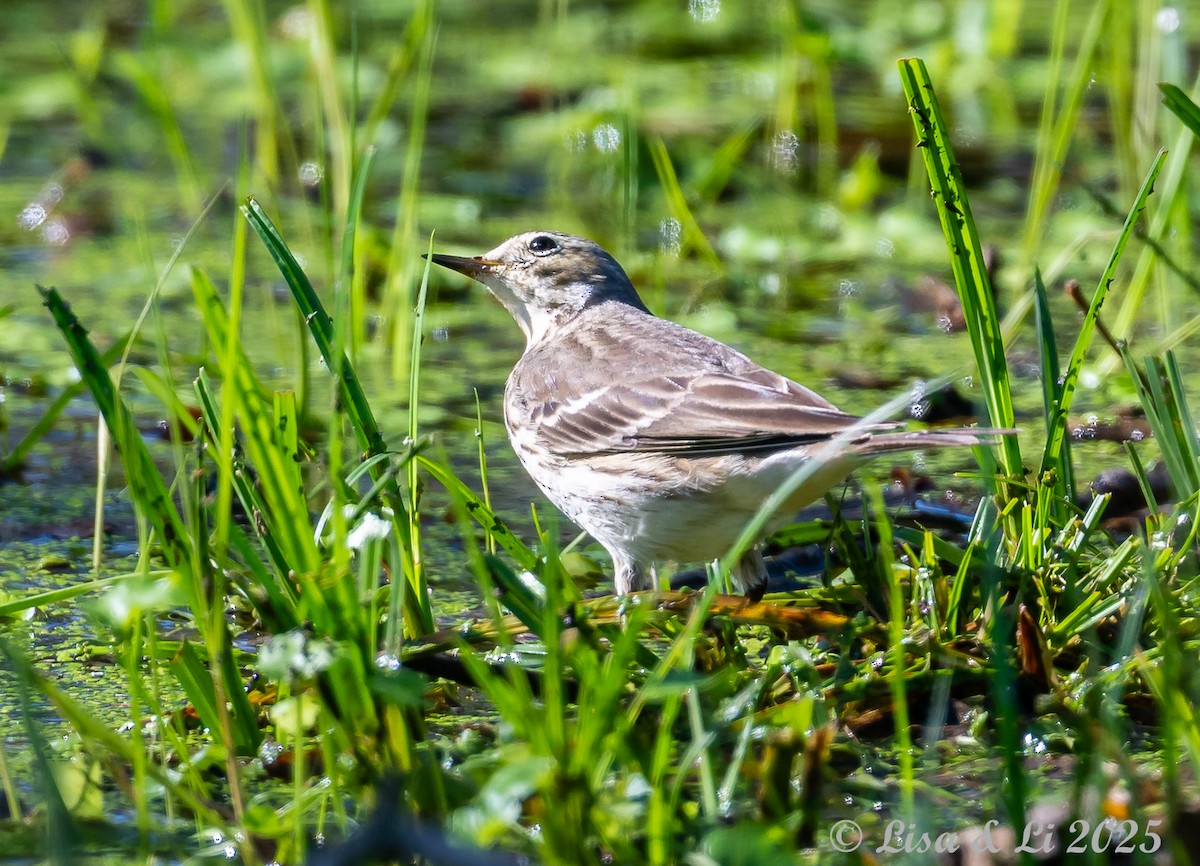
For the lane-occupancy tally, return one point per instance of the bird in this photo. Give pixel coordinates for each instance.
(658, 441)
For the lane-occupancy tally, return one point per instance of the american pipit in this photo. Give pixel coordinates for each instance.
(658, 441)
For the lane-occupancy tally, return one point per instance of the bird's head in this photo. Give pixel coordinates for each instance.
(547, 278)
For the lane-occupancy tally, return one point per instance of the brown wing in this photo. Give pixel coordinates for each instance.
(633, 383)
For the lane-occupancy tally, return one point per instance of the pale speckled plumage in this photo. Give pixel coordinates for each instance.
(657, 440)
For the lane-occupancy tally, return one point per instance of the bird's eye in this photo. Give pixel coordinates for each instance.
(543, 245)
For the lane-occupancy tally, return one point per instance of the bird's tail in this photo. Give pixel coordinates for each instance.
(914, 440)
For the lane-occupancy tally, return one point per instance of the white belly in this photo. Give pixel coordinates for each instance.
(659, 509)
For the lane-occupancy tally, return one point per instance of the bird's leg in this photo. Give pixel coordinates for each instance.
(750, 574)
(631, 576)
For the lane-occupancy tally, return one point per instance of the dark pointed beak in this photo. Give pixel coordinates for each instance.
(473, 267)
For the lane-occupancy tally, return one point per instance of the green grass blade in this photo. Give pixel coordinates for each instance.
(966, 258)
(525, 558)
(139, 70)
(402, 262)
(247, 21)
(351, 286)
(1172, 191)
(274, 599)
(230, 352)
(1160, 392)
(1138, 468)
(885, 566)
(1055, 133)
(1057, 426)
(320, 326)
(416, 566)
(11, 607)
(725, 160)
(160, 387)
(243, 481)
(284, 412)
(61, 833)
(354, 401)
(339, 134)
(1189, 437)
(693, 236)
(1182, 106)
(1063, 481)
(518, 595)
(196, 680)
(490, 542)
(260, 437)
(146, 486)
(403, 57)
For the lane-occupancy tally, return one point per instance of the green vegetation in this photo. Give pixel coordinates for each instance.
(287, 670)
